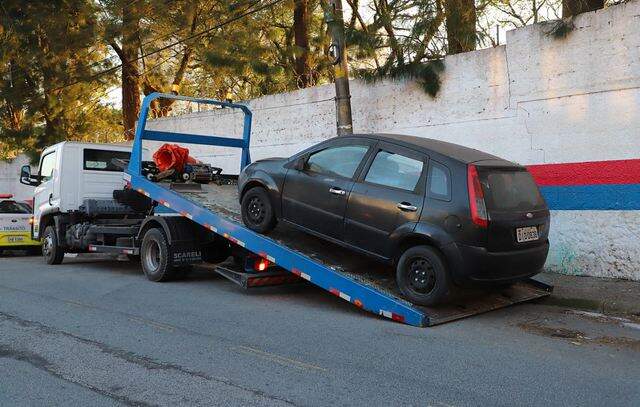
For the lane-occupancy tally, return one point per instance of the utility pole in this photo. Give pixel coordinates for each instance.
(335, 22)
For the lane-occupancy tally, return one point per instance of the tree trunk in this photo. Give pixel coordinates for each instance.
(301, 38)
(461, 25)
(130, 68)
(571, 8)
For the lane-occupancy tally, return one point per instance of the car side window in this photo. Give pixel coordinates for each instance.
(439, 181)
(342, 161)
(47, 166)
(394, 170)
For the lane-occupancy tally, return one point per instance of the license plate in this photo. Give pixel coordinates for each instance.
(528, 234)
(15, 239)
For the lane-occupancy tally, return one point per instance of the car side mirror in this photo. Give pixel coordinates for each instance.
(301, 163)
(26, 178)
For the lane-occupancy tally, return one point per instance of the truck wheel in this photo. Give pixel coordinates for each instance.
(154, 254)
(422, 276)
(257, 211)
(51, 250)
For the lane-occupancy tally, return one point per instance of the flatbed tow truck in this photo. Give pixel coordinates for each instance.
(298, 256)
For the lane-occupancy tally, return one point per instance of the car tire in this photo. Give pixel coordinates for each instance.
(257, 211)
(422, 276)
(155, 256)
(52, 252)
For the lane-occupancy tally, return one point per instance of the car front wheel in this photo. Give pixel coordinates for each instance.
(257, 211)
(422, 276)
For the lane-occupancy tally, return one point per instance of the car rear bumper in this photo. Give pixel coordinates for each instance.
(477, 264)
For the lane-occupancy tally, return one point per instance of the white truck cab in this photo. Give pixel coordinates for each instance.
(71, 172)
(82, 204)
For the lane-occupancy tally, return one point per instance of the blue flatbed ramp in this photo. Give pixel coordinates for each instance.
(366, 284)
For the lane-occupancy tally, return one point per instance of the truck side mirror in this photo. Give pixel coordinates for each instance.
(26, 178)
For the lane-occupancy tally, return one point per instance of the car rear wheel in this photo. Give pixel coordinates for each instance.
(422, 276)
(257, 211)
(154, 256)
(52, 252)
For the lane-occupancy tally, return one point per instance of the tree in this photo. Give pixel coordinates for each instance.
(461, 25)
(403, 40)
(301, 37)
(50, 52)
(571, 8)
(124, 21)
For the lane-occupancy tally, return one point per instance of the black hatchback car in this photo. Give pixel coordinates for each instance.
(439, 212)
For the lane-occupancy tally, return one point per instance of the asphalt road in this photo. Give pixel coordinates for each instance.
(96, 332)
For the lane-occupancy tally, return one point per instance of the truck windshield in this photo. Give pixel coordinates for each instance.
(12, 207)
(103, 160)
(510, 190)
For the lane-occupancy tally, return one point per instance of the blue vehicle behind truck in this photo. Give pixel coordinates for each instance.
(170, 226)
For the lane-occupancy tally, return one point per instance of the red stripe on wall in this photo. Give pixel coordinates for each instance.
(587, 173)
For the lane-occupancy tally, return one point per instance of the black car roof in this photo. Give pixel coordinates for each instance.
(455, 151)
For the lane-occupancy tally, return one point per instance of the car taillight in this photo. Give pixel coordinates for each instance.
(31, 220)
(476, 198)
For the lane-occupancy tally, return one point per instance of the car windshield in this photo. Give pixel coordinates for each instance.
(509, 190)
(13, 207)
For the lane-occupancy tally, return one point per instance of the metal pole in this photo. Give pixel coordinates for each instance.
(335, 22)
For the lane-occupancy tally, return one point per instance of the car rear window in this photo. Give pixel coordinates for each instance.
(507, 190)
(12, 207)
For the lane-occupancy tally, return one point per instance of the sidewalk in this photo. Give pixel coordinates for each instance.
(607, 296)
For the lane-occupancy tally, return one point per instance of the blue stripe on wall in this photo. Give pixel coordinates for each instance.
(592, 197)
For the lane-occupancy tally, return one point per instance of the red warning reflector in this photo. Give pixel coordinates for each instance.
(397, 317)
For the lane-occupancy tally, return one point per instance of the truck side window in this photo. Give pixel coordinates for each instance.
(102, 160)
(342, 161)
(439, 182)
(394, 170)
(47, 165)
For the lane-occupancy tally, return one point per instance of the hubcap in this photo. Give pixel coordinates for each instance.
(422, 276)
(255, 210)
(152, 256)
(47, 245)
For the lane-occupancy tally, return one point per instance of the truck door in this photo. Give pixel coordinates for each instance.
(316, 196)
(388, 194)
(45, 194)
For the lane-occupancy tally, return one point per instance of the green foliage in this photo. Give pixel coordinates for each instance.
(426, 74)
(561, 28)
(49, 52)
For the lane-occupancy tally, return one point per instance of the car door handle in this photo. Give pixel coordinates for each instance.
(337, 191)
(405, 206)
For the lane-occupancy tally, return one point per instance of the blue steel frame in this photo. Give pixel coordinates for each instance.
(221, 141)
(359, 294)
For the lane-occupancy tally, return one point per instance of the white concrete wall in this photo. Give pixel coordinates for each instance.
(536, 100)
(9, 173)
